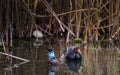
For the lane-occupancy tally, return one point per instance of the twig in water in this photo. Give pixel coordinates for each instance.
(14, 56)
(14, 66)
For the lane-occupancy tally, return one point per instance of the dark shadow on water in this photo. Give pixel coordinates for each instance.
(74, 65)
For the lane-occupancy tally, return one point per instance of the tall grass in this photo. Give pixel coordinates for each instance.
(87, 19)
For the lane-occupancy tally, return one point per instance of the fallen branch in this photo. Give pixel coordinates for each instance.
(14, 56)
(14, 66)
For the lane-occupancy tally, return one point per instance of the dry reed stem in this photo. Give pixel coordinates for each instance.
(28, 9)
(62, 14)
(4, 46)
(19, 58)
(53, 13)
(96, 10)
(116, 32)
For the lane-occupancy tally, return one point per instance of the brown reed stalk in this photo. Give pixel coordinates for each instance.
(111, 18)
(88, 17)
(35, 4)
(33, 20)
(78, 18)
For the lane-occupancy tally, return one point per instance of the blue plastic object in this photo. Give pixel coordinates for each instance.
(51, 54)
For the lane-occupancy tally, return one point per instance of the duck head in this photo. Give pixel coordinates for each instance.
(77, 50)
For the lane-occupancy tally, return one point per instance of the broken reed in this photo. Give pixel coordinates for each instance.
(89, 19)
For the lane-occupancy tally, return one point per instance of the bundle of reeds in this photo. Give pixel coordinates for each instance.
(87, 19)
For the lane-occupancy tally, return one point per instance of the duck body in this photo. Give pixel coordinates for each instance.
(71, 54)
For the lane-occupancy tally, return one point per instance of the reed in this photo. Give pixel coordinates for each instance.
(88, 19)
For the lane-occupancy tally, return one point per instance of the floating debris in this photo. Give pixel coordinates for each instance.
(37, 33)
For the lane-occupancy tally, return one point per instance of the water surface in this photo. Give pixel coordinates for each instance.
(96, 61)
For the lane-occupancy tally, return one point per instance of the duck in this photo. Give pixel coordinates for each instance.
(73, 52)
(52, 60)
(38, 33)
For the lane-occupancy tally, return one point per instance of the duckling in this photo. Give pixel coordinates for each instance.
(73, 52)
(52, 60)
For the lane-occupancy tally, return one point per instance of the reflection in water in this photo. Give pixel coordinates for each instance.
(74, 65)
(38, 43)
(53, 69)
(95, 62)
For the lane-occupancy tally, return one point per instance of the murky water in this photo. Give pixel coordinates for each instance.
(96, 61)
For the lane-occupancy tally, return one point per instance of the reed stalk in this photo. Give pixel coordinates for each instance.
(19, 58)
(89, 19)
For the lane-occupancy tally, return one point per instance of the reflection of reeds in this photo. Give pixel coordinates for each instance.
(101, 62)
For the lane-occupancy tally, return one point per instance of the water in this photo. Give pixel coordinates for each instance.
(99, 61)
